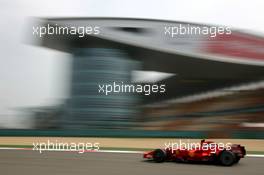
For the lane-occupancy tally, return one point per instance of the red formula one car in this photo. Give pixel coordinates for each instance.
(206, 151)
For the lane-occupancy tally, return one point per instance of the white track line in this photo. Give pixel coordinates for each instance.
(10, 148)
(106, 151)
(120, 151)
(254, 155)
(60, 150)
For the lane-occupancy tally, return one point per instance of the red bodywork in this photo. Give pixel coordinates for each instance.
(212, 153)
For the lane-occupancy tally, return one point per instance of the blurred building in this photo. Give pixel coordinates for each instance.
(206, 69)
(43, 117)
(87, 108)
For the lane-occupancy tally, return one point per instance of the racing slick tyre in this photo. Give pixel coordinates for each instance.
(159, 155)
(237, 159)
(227, 158)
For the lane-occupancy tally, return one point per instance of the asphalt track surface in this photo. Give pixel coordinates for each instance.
(21, 162)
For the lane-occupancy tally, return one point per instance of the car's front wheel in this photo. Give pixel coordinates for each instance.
(159, 155)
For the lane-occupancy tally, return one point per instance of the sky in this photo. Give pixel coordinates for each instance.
(32, 76)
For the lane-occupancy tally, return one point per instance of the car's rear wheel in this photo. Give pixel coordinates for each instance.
(227, 158)
(159, 155)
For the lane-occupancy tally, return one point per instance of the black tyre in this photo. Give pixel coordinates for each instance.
(159, 155)
(237, 159)
(227, 158)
